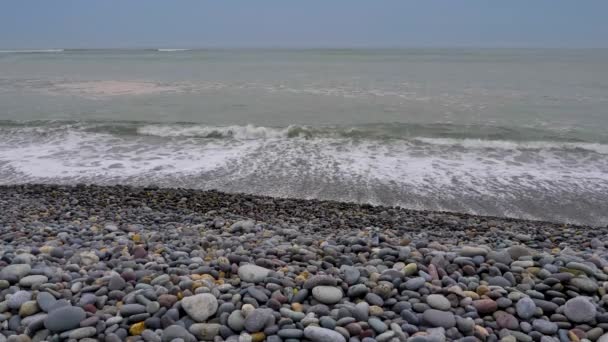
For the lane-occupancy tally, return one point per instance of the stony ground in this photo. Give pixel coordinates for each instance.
(119, 263)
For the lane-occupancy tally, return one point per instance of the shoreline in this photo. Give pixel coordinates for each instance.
(115, 263)
(238, 196)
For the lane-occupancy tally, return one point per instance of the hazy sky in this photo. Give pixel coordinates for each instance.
(304, 23)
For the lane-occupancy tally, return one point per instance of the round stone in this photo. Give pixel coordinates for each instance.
(64, 318)
(525, 308)
(580, 310)
(327, 294)
(439, 302)
(438, 318)
(200, 307)
(253, 273)
(116, 283)
(318, 334)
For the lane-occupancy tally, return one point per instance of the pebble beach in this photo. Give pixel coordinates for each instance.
(118, 263)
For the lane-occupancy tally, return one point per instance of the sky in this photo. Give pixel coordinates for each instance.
(304, 23)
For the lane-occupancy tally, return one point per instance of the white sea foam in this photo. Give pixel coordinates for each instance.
(247, 132)
(514, 145)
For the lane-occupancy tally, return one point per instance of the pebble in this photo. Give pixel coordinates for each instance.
(64, 318)
(200, 307)
(253, 273)
(135, 264)
(327, 294)
(579, 310)
(318, 334)
(438, 302)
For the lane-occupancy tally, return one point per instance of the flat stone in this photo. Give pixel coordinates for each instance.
(585, 284)
(470, 251)
(177, 332)
(33, 280)
(253, 273)
(318, 334)
(327, 294)
(439, 302)
(438, 318)
(132, 309)
(517, 251)
(545, 327)
(205, 331)
(415, 283)
(200, 306)
(14, 273)
(64, 318)
(320, 280)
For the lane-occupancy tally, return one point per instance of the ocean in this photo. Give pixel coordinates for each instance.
(520, 133)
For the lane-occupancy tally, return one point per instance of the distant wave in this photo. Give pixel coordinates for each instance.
(33, 51)
(171, 50)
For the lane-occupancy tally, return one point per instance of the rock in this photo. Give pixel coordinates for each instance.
(437, 318)
(14, 273)
(81, 333)
(45, 300)
(318, 334)
(545, 327)
(485, 306)
(438, 302)
(64, 318)
(257, 320)
(174, 332)
(33, 280)
(116, 283)
(236, 321)
(318, 280)
(205, 331)
(517, 251)
(470, 251)
(580, 310)
(28, 308)
(415, 283)
(200, 307)
(18, 298)
(525, 308)
(585, 284)
(88, 258)
(327, 294)
(253, 273)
